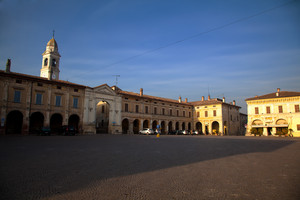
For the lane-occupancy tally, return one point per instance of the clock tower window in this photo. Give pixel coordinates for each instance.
(53, 63)
(46, 62)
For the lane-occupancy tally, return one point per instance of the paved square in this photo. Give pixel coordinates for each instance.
(146, 167)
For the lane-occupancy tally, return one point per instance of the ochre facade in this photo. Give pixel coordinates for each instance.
(275, 113)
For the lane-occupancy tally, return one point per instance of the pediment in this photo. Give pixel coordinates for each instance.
(104, 89)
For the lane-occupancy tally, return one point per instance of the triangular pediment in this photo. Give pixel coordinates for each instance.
(104, 89)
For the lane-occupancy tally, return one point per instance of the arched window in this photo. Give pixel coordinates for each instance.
(53, 62)
(46, 62)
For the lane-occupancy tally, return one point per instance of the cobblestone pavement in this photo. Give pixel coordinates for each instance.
(146, 167)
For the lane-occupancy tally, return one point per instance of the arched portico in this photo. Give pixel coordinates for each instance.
(125, 126)
(199, 127)
(215, 127)
(56, 123)
(36, 122)
(14, 122)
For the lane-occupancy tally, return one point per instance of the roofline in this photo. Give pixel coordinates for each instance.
(39, 79)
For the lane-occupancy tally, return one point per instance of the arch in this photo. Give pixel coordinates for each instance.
(56, 123)
(136, 126)
(146, 124)
(177, 126)
(53, 63)
(14, 122)
(183, 126)
(199, 127)
(36, 122)
(225, 128)
(154, 125)
(189, 126)
(102, 117)
(74, 121)
(125, 126)
(170, 126)
(46, 62)
(257, 122)
(281, 122)
(215, 127)
(163, 127)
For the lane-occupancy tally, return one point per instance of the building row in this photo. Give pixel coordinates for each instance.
(29, 103)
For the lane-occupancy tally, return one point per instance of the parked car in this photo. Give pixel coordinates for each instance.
(195, 132)
(146, 131)
(69, 130)
(45, 131)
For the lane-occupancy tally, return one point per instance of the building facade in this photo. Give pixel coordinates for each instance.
(274, 114)
(215, 116)
(29, 103)
(141, 111)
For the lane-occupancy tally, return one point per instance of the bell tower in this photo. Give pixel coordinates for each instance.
(50, 64)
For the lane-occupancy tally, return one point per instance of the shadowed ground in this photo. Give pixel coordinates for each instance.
(146, 167)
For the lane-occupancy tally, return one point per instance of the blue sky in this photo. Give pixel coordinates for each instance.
(96, 37)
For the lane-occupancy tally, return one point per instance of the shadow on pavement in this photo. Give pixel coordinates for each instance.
(35, 167)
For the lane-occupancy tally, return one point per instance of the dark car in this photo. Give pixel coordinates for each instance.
(69, 130)
(45, 131)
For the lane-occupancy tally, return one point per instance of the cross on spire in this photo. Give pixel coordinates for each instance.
(53, 33)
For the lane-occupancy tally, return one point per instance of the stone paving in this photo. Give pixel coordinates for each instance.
(146, 167)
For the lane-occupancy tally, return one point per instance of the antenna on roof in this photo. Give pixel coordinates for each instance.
(116, 79)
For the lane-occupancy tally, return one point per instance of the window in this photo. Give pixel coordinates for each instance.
(298, 127)
(177, 113)
(53, 62)
(297, 108)
(190, 114)
(102, 109)
(57, 100)
(75, 90)
(215, 113)
(155, 111)
(40, 84)
(137, 108)
(18, 81)
(183, 113)
(58, 87)
(75, 103)
(171, 112)
(268, 110)
(126, 107)
(256, 111)
(17, 96)
(280, 109)
(198, 114)
(206, 113)
(163, 111)
(146, 110)
(46, 62)
(38, 99)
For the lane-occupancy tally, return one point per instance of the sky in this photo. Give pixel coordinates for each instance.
(170, 48)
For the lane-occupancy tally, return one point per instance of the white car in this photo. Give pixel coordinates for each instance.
(146, 131)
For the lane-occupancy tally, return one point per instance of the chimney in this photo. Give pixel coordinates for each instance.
(223, 99)
(208, 98)
(8, 63)
(202, 98)
(179, 100)
(233, 102)
(141, 92)
(277, 93)
(186, 100)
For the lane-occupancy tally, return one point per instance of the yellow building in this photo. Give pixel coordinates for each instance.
(215, 116)
(274, 114)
